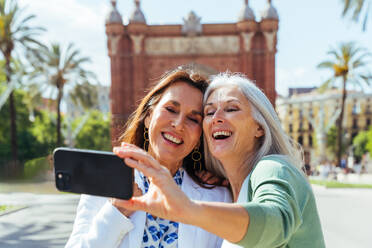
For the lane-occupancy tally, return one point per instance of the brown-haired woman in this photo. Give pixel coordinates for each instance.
(168, 124)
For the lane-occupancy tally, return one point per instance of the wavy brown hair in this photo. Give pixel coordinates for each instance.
(135, 127)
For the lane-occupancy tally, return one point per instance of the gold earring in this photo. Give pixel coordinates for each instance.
(196, 157)
(146, 139)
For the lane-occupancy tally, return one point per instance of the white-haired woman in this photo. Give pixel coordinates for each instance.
(275, 203)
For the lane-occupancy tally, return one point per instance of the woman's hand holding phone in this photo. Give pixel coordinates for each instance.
(118, 203)
(164, 198)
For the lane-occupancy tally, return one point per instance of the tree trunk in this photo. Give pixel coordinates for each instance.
(339, 123)
(13, 124)
(59, 99)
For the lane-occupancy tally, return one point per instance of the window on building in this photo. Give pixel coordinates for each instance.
(356, 108)
(300, 126)
(290, 128)
(353, 135)
(368, 122)
(300, 140)
(310, 127)
(310, 140)
(300, 113)
(355, 123)
(311, 113)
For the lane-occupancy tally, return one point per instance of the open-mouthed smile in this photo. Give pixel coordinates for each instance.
(218, 135)
(171, 138)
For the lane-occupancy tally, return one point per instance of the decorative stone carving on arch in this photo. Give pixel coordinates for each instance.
(137, 43)
(270, 40)
(247, 39)
(191, 25)
(203, 45)
(114, 42)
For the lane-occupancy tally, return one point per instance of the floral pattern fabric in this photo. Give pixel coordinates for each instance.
(160, 233)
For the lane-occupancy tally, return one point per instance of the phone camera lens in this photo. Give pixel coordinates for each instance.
(63, 181)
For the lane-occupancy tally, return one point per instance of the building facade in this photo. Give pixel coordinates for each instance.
(141, 53)
(308, 117)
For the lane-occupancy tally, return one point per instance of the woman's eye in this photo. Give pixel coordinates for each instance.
(193, 120)
(231, 109)
(209, 113)
(170, 109)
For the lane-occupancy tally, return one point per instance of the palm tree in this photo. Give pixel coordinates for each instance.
(357, 8)
(85, 95)
(59, 67)
(349, 66)
(14, 31)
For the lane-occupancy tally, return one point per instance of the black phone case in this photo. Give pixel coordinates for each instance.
(92, 172)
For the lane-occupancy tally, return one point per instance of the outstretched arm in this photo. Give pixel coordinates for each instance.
(166, 200)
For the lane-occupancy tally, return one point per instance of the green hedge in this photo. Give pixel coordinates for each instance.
(335, 184)
(36, 167)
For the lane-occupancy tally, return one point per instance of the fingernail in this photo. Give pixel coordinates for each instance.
(116, 150)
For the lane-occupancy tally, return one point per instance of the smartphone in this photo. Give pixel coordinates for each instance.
(92, 172)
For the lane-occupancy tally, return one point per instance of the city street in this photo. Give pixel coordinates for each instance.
(46, 222)
(346, 216)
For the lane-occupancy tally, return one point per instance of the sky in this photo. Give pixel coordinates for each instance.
(307, 30)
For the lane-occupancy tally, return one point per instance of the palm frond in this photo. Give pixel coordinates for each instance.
(326, 85)
(26, 19)
(59, 66)
(346, 7)
(364, 26)
(334, 53)
(326, 64)
(367, 79)
(358, 9)
(357, 64)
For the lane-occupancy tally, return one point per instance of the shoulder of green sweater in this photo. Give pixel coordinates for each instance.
(271, 163)
(282, 159)
(276, 165)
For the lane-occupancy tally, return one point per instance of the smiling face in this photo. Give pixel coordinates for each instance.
(229, 128)
(175, 124)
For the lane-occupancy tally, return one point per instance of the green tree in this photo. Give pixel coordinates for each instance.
(357, 8)
(34, 138)
(58, 67)
(85, 95)
(14, 31)
(348, 64)
(95, 133)
(369, 142)
(332, 145)
(43, 129)
(360, 144)
(2, 72)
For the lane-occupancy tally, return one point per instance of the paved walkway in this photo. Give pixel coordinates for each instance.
(346, 216)
(45, 223)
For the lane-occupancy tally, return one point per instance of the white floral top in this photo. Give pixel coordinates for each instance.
(160, 233)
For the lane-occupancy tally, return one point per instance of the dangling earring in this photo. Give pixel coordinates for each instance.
(196, 157)
(146, 139)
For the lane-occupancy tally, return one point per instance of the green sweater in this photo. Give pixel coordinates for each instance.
(281, 207)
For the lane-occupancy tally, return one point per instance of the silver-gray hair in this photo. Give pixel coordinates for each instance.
(274, 141)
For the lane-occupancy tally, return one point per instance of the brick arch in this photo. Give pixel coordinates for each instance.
(258, 50)
(145, 52)
(204, 70)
